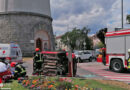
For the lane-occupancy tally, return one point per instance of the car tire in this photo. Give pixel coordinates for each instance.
(90, 59)
(117, 66)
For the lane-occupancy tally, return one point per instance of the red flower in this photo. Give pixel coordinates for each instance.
(19, 79)
(32, 86)
(50, 86)
(76, 86)
(61, 79)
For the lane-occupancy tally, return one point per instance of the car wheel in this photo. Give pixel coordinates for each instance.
(90, 59)
(117, 66)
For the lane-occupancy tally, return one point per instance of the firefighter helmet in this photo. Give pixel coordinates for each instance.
(128, 50)
(13, 64)
(37, 49)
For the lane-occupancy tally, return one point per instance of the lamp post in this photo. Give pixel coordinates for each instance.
(122, 13)
(70, 59)
(84, 44)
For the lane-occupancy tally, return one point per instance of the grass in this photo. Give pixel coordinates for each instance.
(14, 86)
(77, 81)
(95, 84)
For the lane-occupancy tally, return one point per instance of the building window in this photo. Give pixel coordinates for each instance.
(39, 44)
(45, 46)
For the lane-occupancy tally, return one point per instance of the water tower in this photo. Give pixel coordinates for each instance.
(28, 23)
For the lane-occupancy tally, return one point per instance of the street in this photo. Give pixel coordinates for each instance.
(91, 70)
(98, 70)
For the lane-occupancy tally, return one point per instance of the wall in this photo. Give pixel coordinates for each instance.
(36, 6)
(22, 27)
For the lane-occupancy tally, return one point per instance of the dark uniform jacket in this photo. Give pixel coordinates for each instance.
(38, 57)
(19, 69)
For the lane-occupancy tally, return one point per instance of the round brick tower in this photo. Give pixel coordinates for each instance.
(27, 23)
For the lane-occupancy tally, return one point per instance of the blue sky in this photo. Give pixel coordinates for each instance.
(95, 14)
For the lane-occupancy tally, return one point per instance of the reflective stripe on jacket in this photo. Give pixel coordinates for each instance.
(40, 59)
(19, 69)
(129, 63)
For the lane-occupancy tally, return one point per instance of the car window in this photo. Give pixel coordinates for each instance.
(75, 52)
(80, 53)
(17, 54)
(86, 52)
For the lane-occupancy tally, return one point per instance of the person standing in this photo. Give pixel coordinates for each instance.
(37, 61)
(128, 59)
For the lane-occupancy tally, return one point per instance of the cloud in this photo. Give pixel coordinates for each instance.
(95, 14)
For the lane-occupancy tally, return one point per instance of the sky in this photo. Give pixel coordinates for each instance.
(94, 14)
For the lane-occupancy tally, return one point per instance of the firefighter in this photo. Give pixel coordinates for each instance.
(37, 61)
(19, 71)
(129, 59)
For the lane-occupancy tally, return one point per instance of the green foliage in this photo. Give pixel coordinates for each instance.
(91, 83)
(101, 35)
(72, 83)
(77, 36)
(100, 45)
(128, 19)
(14, 86)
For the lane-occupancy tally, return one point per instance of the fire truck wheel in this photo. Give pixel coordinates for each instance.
(117, 65)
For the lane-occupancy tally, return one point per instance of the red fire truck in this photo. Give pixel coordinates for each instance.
(117, 45)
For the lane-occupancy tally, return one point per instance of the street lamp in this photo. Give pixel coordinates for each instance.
(70, 58)
(78, 43)
(84, 45)
(122, 13)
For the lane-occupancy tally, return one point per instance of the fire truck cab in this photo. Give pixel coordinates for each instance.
(117, 45)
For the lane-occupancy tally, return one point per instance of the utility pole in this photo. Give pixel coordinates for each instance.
(6, 5)
(70, 59)
(84, 43)
(122, 13)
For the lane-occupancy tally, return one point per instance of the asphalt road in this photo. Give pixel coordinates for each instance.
(103, 72)
(29, 66)
(90, 70)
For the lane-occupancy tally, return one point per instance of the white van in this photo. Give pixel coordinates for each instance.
(11, 51)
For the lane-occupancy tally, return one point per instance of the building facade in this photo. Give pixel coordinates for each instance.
(95, 41)
(28, 23)
(60, 45)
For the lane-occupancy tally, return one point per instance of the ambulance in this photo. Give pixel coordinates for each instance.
(11, 52)
(117, 45)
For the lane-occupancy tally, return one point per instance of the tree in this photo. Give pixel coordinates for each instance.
(101, 35)
(100, 45)
(77, 36)
(128, 19)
